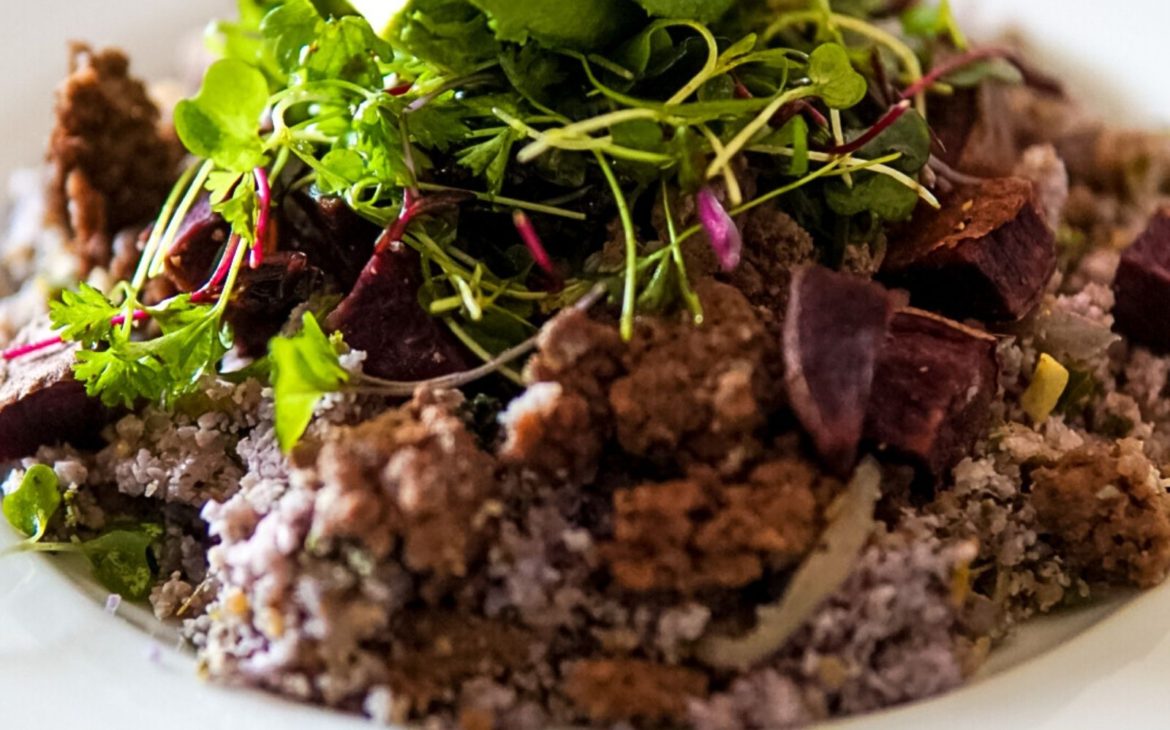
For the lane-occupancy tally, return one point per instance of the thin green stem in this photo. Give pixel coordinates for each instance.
(630, 287)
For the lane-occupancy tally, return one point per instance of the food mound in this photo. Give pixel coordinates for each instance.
(636, 363)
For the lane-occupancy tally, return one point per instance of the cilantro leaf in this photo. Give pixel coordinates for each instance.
(438, 126)
(117, 378)
(235, 200)
(340, 170)
(163, 369)
(833, 76)
(305, 367)
(84, 315)
(288, 30)
(452, 34)
(581, 25)
(222, 121)
(348, 49)
(34, 501)
(489, 160)
(704, 11)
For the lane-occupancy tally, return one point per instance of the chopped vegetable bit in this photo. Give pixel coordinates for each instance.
(1049, 382)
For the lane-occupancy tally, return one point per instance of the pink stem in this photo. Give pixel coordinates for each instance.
(264, 195)
(206, 291)
(532, 241)
(139, 315)
(946, 69)
(412, 208)
(19, 352)
(894, 114)
(799, 107)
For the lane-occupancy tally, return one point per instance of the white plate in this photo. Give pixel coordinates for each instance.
(67, 663)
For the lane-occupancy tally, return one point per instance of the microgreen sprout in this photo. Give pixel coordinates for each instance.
(532, 241)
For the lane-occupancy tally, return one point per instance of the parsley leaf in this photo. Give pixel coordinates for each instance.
(490, 159)
(84, 315)
(305, 368)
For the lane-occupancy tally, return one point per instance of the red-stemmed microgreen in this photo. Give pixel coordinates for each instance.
(264, 205)
(887, 120)
(532, 242)
(208, 291)
(16, 353)
(940, 72)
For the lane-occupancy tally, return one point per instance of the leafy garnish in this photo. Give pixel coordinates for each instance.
(704, 11)
(122, 560)
(83, 315)
(222, 121)
(833, 75)
(33, 503)
(305, 368)
(581, 25)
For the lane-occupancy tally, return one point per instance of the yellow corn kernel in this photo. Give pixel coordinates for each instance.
(1048, 383)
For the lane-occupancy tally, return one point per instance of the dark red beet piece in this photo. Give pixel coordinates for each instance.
(383, 317)
(1142, 286)
(197, 246)
(834, 329)
(932, 390)
(265, 297)
(42, 404)
(988, 254)
(335, 238)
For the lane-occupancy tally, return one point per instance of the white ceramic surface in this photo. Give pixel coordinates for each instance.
(65, 662)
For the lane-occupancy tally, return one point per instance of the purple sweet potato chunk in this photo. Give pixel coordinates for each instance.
(42, 404)
(987, 254)
(383, 317)
(932, 391)
(834, 329)
(1142, 286)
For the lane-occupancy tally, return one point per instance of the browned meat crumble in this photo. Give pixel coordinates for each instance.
(113, 161)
